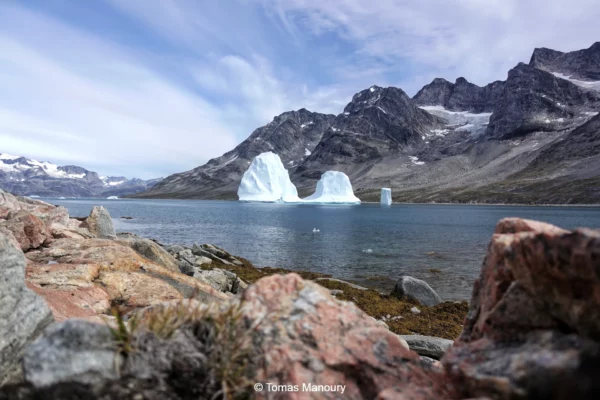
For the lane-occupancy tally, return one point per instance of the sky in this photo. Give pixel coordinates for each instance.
(147, 88)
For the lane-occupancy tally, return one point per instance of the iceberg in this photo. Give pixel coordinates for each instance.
(334, 187)
(267, 180)
(112, 198)
(386, 196)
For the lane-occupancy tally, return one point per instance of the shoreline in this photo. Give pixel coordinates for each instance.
(363, 202)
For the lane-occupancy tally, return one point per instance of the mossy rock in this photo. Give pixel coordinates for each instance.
(444, 320)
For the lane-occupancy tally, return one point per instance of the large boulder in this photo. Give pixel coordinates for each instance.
(100, 223)
(533, 329)
(217, 278)
(126, 276)
(8, 203)
(416, 289)
(69, 289)
(428, 346)
(30, 231)
(215, 253)
(307, 337)
(150, 250)
(23, 314)
(72, 351)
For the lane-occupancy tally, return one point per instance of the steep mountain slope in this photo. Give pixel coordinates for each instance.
(460, 96)
(24, 176)
(577, 154)
(377, 122)
(292, 136)
(535, 100)
(530, 139)
(581, 64)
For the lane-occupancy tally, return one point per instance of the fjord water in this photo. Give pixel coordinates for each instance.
(368, 244)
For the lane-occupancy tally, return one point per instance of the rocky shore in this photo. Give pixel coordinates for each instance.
(89, 313)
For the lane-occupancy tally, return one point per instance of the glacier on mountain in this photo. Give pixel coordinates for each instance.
(386, 196)
(334, 187)
(267, 180)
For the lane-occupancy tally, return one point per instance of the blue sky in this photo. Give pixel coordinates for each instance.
(147, 88)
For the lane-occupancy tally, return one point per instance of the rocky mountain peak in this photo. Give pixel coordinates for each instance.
(581, 64)
(376, 123)
(26, 176)
(460, 96)
(292, 135)
(536, 100)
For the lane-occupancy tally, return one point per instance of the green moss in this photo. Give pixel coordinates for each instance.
(444, 320)
(250, 274)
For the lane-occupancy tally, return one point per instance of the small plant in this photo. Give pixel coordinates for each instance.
(219, 334)
(434, 270)
(123, 332)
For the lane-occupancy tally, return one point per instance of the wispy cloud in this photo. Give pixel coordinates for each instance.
(148, 88)
(120, 115)
(478, 39)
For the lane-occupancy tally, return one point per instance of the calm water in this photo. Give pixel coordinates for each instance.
(403, 239)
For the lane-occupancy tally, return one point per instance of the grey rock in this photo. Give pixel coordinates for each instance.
(202, 252)
(215, 250)
(429, 360)
(581, 143)
(416, 289)
(460, 96)
(72, 351)
(238, 286)
(203, 260)
(429, 346)
(174, 249)
(188, 257)
(581, 64)
(378, 122)
(186, 268)
(23, 314)
(100, 223)
(535, 100)
(221, 254)
(152, 251)
(215, 278)
(186, 252)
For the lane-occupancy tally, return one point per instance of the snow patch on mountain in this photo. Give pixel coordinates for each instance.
(594, 85)
(415, 160)
(16, 164)
(459, 120)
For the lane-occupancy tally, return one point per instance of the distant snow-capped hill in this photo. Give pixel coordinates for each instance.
(24, 176)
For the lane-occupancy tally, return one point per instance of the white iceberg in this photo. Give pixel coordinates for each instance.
(112, 198)
(267, 180)
(386, 196)
(334, 187)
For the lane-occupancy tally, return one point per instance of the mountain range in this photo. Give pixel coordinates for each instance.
(27, 177)
(533, 138)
